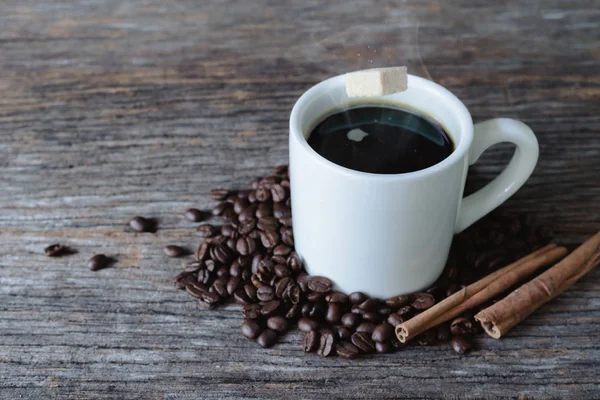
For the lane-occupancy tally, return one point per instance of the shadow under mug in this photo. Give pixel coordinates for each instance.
(386, 235)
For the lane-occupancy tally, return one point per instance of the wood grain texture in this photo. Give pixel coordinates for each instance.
(110, 109)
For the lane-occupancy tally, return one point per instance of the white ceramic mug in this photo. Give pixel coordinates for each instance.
(386, 235)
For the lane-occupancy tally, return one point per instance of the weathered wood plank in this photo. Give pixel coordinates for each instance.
(111, 109)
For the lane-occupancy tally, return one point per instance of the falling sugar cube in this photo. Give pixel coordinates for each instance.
(376, 82)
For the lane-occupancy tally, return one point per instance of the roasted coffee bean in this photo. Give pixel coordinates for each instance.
(99, 261)
(382, 332)
(397, 301)
(173, 251)
(205, 230)
(462, 326)
(278, 193)
(270, 307)
(371, 316)
(256, 259)
(443, 333)
(210, 265)
(267, 223)
(363, 341)
(281, 286)
(223, 273)
(195, 289)
(247, 226)
(326, 344)
(194, 215)
(183, 278)
(235, 269)
(231, 199)
(384, 311)
(220, 208)
(233, 284)
(346, 350)
(251, 311)
(369, 305)
(240, 204)
(257, 281)
(264, 210)
(366, 327)
(282, 271)
(278, 323)
(243, 194)
(232, 243)
(210, 297)
(311, 341)
(314, 297)
(350, 320)
(206, 306)
(294, 262)
(219, 286)
(306, 324)
(245, 245)
(461, 345)
(282, 250)
(250, 291)
(334, 313)
(263, 194)
(218, 194)
(265, 293)
(319, 284)
(141, 224)
(252, 197)
(267, 338)
(221, 253)
(404, 311)
(281, 211)
(302, 280)
(427, 338)
(250, 329)
(248, 213)
(287, 239)
(394, 319)
(241, 297)
(317, 310)
(56, 250)
(278, 260)
(342, 333)
(293, 312)
(269, 239)
(357, 297)
(383, 347)
(227, 230)
(292, 294)
(336, 297)
(203, 276)
(286, 221)
(280, 170)
(422, 301)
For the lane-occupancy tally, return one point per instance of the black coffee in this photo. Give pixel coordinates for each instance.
(381, 140)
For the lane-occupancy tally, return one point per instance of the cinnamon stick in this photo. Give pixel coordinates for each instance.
(479, 292)
(508, 312)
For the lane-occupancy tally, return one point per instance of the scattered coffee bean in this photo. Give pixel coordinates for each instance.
(311, 341)
(382, 332)
(461, 326)
(337, 297)
(383, 347)
(319, 284)
(366, 327)
(267, 338)
(270, 307)
(205, 230)
(278, 323)
(245, 245)
(461, 345)
(326, 344)
(265, 293)
(173, 251)
(306, 324)
(250, 329)
(56, 250)
(343, 333)
(334, 313)
(350, 320)
(394, 319)
(194, 215)
(357, 297)
(99, 261)
(397, 301)
(346, 350)
(141, 224)
(423, 301)
(363, 341)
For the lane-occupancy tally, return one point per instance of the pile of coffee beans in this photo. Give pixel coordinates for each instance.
(250, 259)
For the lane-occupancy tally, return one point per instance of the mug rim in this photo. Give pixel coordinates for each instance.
(465, 123)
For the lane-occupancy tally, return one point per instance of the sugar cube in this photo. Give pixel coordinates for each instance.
(376, 82)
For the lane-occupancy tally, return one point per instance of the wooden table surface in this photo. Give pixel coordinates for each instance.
(110, 109)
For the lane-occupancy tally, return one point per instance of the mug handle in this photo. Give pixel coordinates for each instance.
(520, 167)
